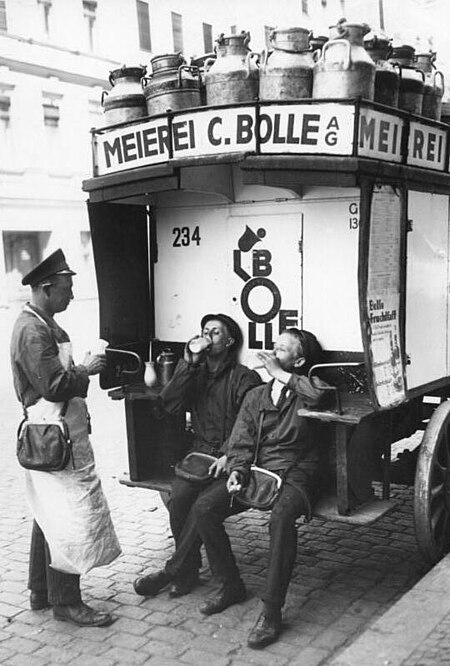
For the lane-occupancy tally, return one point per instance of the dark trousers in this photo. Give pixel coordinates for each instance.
(186, 561)
(62, 589)
(213, 507)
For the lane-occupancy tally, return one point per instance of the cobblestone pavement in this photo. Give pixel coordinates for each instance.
(345, 578)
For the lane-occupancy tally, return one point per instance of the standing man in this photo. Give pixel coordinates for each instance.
(211, 385)
(288, 445)
(72, 528)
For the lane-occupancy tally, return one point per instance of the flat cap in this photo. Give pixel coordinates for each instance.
(54, 264)
(232, 326)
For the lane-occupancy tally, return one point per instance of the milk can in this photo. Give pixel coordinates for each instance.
(286, 72)
(433, 86)
(344, 68)
(411, 79)
(173, 84)
(199, 61)
(234, 75)
(125, 101)
(316, 42)
(387, 78)
(166, 366)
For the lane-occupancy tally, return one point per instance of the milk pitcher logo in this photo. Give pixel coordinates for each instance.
(263, 327)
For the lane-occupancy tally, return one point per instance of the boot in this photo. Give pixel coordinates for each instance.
(266, 629)
(38, 600)
(150, 585)
(228, 594)
(82, 615)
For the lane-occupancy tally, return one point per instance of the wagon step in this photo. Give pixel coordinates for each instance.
(364, 514)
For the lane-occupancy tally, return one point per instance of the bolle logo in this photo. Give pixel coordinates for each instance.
(260, 326)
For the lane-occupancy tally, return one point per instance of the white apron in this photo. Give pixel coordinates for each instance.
(69, 506)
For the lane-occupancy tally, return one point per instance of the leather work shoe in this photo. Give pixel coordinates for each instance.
(183, 586)
(228, 595)
(265, 631)
(82, 615)
(38, 600)
(150, 585)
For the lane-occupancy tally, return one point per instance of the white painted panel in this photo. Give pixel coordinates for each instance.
(330, 269)
(427, 288)
(258, 283)
(265, 285)
(190, 279)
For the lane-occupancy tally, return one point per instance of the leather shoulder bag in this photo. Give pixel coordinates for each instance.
(263, 486)
(194, 467)
(45, 447)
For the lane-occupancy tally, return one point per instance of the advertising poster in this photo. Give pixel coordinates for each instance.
(383, 296)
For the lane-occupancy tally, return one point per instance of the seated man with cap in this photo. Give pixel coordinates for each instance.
(79, 535)
(210, 384)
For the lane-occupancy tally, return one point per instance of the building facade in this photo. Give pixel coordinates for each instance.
(55, 58)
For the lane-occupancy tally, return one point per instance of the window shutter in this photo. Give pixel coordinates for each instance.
(207, 38)
(143, 16)
(3, 23)
(177, 31)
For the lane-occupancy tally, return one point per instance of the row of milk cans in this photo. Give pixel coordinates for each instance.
(350, 64)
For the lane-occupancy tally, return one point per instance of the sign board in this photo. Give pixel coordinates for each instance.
(300, 128)
(426, 146)
(380, 135)
(383, 296)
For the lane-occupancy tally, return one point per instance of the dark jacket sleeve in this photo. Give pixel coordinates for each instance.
(42, 368)
(247, 381)
(242, 441)
(176, 396)
(312, 393)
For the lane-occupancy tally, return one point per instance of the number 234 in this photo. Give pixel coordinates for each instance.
(183, 236)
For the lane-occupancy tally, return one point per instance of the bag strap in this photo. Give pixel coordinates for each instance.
(258, 436)
(227, 404)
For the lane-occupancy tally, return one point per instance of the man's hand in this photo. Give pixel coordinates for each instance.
(218, 467)
(94, 363)
(234, 484)
(190, 357)
(273, 367)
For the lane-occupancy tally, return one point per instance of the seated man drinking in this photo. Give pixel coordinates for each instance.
(289, 446)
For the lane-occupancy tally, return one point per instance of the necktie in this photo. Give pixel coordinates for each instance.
(282, 397)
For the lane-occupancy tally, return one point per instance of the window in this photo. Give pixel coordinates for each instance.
(89, 9)
(267, 32)
(233, 29)
(3, 23)
(143, 17)
(45, 6)
(207, 38)
(5, 104)
(177, 31)
(305, 7)
(51, 113)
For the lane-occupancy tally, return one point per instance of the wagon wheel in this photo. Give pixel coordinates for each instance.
(432, 488)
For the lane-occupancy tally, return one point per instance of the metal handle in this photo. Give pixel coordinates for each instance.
(209, 62)
(441, 76)
(105, 93)
(348, 61)
(248, 58)
(334, 389)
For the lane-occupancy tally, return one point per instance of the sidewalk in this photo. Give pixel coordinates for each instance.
(415, 631)
(346, 578)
